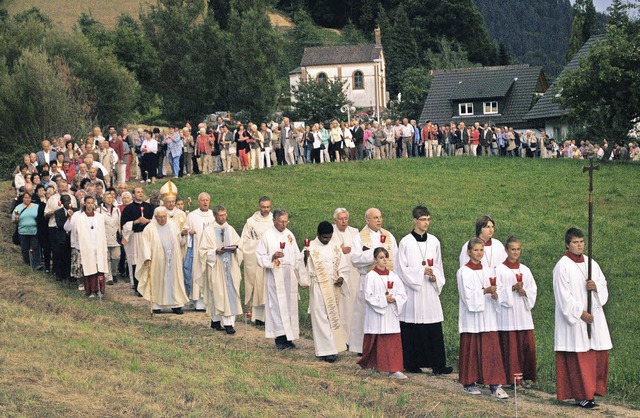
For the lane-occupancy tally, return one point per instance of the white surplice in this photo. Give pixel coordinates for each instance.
(477, 311)
(570, 291)
(423, 296)
(254, 282)
(349, 288)
(198, 221)
(517, 315)
(282, 278)
(380, 316)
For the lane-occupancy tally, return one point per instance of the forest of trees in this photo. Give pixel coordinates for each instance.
(182, 59)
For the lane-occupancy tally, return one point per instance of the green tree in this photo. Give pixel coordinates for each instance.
(618, 13)
(584, 25)
(319, 101)
(414, 85)
(602, 93)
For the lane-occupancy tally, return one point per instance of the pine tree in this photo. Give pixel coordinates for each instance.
(584, 25)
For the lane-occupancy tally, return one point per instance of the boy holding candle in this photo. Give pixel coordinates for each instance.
(419, 266)
(480, 296)
(385, 298)
(515, 323)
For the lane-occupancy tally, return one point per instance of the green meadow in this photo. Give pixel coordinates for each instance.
(537, 200)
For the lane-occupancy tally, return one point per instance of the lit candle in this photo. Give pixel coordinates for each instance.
(430, 262)
(306, 242)
(492, 280)
(282, 244)
(519, 277)
(383, 238)
(389, 284)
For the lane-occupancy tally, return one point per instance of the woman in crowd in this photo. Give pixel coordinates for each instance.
(242, 138)
(149, 159)
(335, 141)
(26, 216)
(188, 149)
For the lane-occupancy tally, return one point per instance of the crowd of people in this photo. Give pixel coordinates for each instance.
(368, 294)
(146, 155)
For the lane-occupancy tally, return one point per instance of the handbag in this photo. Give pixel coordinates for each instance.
(15, 238)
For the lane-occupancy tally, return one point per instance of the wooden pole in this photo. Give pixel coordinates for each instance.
(590, 235)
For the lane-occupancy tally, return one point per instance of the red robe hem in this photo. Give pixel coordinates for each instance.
(382, 352)
(481, 359)
(581, 376)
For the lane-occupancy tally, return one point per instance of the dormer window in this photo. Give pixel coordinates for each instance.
(465, 109)
(490, 108)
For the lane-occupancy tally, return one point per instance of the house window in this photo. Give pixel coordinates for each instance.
(490, 108)
(465, 109)
(322, 76)
(358, 80)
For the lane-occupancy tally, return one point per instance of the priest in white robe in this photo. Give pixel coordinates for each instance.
(221, 253)
(327, 266)
(494, 253)
(88, 227)
(343, 235)
(159, 270)
(515, 322)
(582, 363)
(419, 266)
(194, 266)
(370, 237)
(134, 219)
(284, 265)
(254, 279)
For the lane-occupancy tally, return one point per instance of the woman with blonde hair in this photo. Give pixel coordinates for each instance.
(335, 141)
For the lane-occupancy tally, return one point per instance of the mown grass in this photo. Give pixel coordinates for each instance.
(535, 200)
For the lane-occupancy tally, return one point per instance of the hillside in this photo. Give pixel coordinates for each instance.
(65, 13)
(65, 355)
(536, 32)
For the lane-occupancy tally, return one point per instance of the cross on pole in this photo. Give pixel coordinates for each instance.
(590, 169)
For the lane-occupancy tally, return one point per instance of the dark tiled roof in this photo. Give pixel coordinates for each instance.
(547, 107)
(516, 84)
(344, 54)
(485, 88)
(297, 70)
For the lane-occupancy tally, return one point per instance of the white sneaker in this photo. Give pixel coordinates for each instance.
(472, 390)
(397, 375)
(81, 288)
(91, 296)
(500, 394)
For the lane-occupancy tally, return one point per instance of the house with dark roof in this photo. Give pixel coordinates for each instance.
(547, 113)
(361, 66)
(499, 96)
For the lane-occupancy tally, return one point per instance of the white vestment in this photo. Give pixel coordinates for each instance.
(349, 288)
(178, 216)
(282, 279)
(517, 315)
(159, 268)
(92, 242)
(363, 261)
(223, 277)
(570, 291)
(423, 296)
(254, 283)
(382, 317)
(198, 221)
(477, 311)
(494, 255)
(325, 265)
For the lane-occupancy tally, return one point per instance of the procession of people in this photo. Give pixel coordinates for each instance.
(368, 294)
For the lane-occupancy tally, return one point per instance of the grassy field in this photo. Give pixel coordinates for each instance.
(535, 200)
(63, 355)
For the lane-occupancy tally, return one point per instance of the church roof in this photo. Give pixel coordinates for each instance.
(342, 54)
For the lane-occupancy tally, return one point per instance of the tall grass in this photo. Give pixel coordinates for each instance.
(537, 200)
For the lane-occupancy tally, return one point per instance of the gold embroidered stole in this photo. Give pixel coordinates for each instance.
(325, 283)
(365, 238)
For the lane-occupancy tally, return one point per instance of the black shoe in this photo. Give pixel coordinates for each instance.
(281, 342)
(202, 310)
(414, 370)
(259, 323)
(587, 404)
(156, 311)
(177, 311)
(138, 294)
(291, 345)
(216, 326)
(444, 370)
(229, 329)
(330, 359)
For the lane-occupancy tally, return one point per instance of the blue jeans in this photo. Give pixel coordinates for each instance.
(175, 164)
(30, 250)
